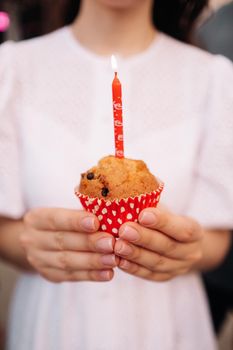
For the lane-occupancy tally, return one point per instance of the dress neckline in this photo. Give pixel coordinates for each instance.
(105, 59)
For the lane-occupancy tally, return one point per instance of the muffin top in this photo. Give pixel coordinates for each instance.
(116, 178)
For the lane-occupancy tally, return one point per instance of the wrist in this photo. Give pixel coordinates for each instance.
(10, 247)
(214, 246)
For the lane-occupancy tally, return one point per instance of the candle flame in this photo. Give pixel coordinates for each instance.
(114, 63)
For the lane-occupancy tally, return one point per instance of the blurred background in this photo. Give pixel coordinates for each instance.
(214, 32)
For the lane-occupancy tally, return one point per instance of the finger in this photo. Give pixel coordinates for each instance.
(60, 240)
(140, 271)
(155, 241)
(56, 276)
(150, 260)
(180, 228)
(70, 261)
(57, 219)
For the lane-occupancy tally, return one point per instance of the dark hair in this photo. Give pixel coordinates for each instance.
(177, 18)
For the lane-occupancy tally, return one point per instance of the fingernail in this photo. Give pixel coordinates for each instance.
(105, 275)
(130, 233)
(88, 223)
(147, 218)
(108, 260)
(123, 248)
(104, 245)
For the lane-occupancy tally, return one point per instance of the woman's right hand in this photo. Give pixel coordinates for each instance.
(65, 245)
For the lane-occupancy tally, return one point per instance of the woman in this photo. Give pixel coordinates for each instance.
(56, 121)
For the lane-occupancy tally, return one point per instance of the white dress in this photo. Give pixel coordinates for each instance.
(56, 122)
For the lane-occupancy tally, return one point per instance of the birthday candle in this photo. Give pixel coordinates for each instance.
(117, 112)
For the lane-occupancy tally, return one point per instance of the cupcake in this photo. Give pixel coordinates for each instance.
(117, 190)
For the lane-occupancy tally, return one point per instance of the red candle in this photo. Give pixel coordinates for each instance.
(117, 113)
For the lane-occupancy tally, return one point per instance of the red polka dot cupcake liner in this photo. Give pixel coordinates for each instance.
(113, 213)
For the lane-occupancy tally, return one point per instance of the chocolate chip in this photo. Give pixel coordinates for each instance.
(90, 176)
(104, 191)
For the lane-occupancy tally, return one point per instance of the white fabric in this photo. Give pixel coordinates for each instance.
(56, 121)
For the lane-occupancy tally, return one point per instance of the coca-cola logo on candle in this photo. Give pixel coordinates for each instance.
(118, 123)
(117, 106)
(119, 154)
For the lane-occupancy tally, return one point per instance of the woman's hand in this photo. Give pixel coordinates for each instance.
(64, 245)
(161, 246)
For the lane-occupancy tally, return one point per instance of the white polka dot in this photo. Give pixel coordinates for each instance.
(108, 203)
(129, 216)
(104, 211)
(115, 230)
(132, 205)
(104, 227)
(99, 201)
(100, 217)
(96, 207)
(137, 210)
(109, 221)
(87, 203)
(120, 221)
(114, 212)
(122, 209)
(143, 202)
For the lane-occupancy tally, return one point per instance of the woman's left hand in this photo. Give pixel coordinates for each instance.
(162, 246)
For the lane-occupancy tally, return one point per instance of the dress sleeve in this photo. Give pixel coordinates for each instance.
(11, 198)
(212, 196)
